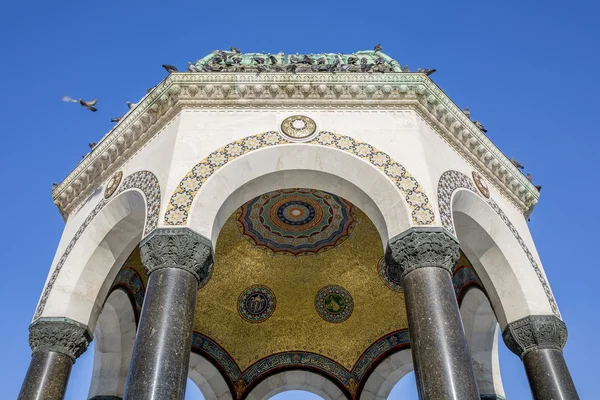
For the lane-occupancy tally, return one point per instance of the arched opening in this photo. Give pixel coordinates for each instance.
(113, 345)
(385, 378)
(207, 378)
(481, 331)
(296, 395)
(296, 380)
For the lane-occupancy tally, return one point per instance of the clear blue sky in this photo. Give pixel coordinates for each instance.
(526, 69)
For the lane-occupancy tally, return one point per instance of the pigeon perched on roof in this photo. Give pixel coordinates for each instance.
(377, 48)
(150, 89)
(54, 185)
(405, 69)
(467, 112)
(538, 187)
(234, 50)
(516, 163)
(86, 104)
(170, 68)
(116, 119)
(480, 126)
(131, 105)
(426, 71)
(529, 177)
(191, 67)
(92, 145)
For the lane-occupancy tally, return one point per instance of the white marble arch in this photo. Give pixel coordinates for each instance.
(208, 379)
(386, 375)
(481, 332)
(113, 345)
(503, 267)
(296, 380)
(87, 274)
(299, 165)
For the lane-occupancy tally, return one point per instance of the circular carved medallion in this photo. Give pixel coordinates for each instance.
(113, 184)
(298, 127)
(481, 185)
(334, 304)
(256, 303)
(390, 277)
(296, 221)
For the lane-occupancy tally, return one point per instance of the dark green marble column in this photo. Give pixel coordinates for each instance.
(55, 344)
(423, 259)
(538, 340)
(178, 261)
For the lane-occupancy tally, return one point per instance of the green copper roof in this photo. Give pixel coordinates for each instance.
(233, 61)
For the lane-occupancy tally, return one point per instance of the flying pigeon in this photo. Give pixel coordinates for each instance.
(405, 69)
(426, 71)
(92, 145)
(170, 68)
(131, 105)
(87, 104)
(479, 125)
(234, 50)
(467, 112)
(516, 163)
(191, 67)
(377, 48)
(116, 119)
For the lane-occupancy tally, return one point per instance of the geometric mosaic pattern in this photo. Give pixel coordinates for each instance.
(296, 221)
(452, 180)
(178, 209)
(146, 182)
(256, 303)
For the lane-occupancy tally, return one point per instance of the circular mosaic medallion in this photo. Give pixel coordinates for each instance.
(113, 184)
(297, 221)
(334, 304)
(390, 277)
(298, 127)
(481, 185)
(256, 303)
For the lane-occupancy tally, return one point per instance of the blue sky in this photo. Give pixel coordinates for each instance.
(526, 69)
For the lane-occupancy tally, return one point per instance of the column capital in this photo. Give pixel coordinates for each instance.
(535, 332)
(178, 248)
(60, 335)
(419, 248)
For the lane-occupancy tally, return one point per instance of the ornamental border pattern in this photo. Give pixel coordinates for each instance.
(452, 180)
(147, 183)
(179, 206)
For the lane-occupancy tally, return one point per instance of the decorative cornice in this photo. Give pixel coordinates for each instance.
(60, 335)
(178, 248)
(421, 248)
(535, 332)
(284, 90)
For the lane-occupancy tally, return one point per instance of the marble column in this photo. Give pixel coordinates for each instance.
(55, 344)
(178, 261)
(538, 340)
(422, 259)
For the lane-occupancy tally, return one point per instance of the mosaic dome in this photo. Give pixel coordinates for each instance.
(296, 221)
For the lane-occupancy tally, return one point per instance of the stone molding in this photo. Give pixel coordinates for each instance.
(307, 90)
(421, 248)
(60, 335)
(178, 248)
(535, 332)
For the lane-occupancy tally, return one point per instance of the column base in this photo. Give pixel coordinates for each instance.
(47, 376)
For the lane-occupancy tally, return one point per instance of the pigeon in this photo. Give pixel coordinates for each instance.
(273, 60)
(405, 69)
(529, 177)
(191, 67)
(54, 185)
(150, 89)
(467, 112)
(480, 126)
(377, 48)
(116, 119)
(131, 105)
(516, 163)
(261, 68)
(538, 187)
(235, 50)
(87, 104)
(170, 68)
(426, 71)
(92, 145)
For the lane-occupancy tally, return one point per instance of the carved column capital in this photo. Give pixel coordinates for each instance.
(535, 332)
(420, 248)
(178, 248)
(59, 335)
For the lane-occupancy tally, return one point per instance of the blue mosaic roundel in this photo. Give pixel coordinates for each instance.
(256, 303)
(391, 278)
(296, 212)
